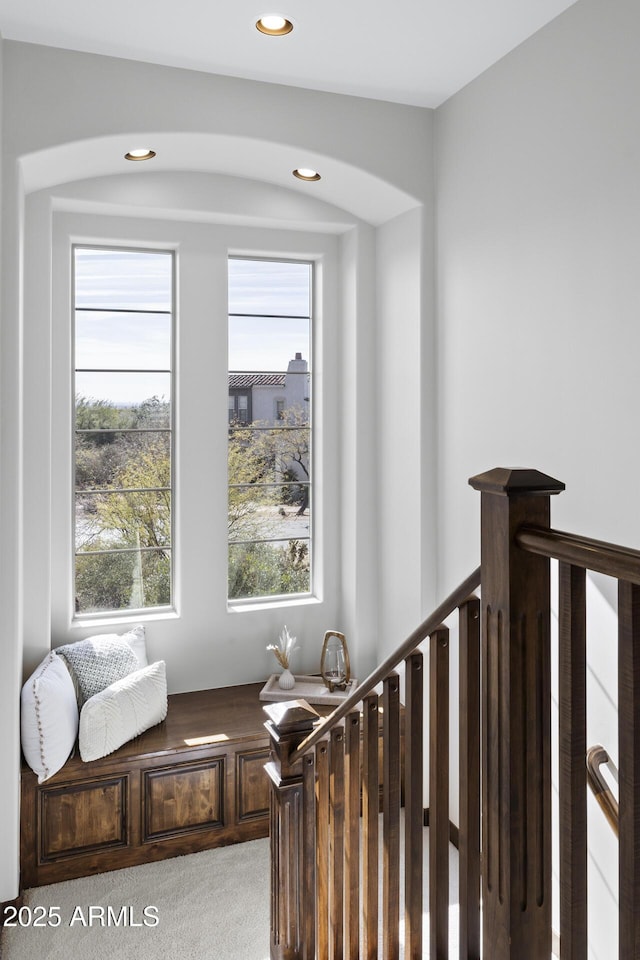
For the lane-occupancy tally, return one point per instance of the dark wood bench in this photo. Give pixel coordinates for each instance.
(193, 782)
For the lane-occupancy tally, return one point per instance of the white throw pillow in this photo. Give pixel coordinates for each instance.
(48, 717)
(97, 662)
(136, 640)
(123, 711)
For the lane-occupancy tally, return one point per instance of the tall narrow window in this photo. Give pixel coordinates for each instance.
(269, 449)
(123, 309)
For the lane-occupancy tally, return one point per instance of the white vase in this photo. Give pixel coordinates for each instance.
(286, 680)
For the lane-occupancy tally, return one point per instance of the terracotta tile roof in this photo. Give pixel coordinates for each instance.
(256, 379)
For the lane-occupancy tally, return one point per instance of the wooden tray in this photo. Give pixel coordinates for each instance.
(311, 689)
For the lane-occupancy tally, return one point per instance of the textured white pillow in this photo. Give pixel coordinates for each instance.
(97, 662)
(135, 637)
(122, 711)
(48, 717)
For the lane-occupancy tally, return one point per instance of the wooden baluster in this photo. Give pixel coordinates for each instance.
(572, 690)
(414, 805)
(288, 725)
(629, 764)
(469, 759)
(309, 855)
(439, 794)
(352, 838)
(516, 773)
(322, 835)
(336, 846)
(370, 813)
(391, 816)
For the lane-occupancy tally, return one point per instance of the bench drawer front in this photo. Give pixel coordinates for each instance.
(183, 798)
(252, 784)
(83, 817)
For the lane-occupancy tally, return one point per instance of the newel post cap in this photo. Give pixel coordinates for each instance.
(290, 722)
(291, 716)
(516, 481)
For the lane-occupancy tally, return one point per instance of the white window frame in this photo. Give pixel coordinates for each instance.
(134, 247)
(205, 359)
(240, 602)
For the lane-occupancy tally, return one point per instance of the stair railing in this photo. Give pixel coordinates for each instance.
(338, 788)
(327, 798)
(576, 555)
(597, 757)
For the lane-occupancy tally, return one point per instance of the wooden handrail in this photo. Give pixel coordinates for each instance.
(596, 757)
(338, 784)
(446, 608)
(608, 558)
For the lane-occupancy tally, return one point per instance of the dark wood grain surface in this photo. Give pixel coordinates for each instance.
(192, 782)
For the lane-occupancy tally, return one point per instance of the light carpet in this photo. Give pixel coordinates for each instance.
(209, 906)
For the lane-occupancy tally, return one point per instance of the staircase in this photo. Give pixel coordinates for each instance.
(344, 788)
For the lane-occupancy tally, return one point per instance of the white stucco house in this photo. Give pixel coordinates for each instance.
(267, 396)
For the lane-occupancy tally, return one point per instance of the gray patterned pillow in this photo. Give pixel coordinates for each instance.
(98, 662)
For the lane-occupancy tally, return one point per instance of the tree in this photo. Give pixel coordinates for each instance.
(142, 517)
(248, 466)
(268, 472)
(123, 506)
(94, 414)
(263, 570)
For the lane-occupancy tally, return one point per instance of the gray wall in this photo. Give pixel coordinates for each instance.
(538, 207)
(538, 244)
(10, 556)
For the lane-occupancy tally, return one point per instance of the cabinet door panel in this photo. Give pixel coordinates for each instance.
(83, 817)
(183, 798)
(252, 784)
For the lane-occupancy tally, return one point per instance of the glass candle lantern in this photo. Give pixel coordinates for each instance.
(334, 663)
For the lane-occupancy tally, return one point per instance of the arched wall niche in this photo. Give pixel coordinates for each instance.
(344, 186)
(382, 239)
(68, 119)
(200, 198)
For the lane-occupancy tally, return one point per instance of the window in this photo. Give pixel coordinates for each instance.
(123, 310)
(269, 447)
(239, 404)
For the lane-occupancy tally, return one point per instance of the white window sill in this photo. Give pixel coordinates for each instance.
(270, 603)
(123, 619)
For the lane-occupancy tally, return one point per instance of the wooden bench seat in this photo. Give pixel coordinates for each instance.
(193, 782)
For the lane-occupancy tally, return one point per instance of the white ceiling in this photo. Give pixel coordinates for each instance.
(408, 51)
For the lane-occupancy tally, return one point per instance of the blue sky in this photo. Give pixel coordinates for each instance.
(108, 280)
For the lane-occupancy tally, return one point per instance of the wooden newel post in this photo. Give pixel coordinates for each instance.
(289, 724)
(516, 721)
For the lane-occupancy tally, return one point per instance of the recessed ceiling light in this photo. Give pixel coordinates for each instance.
(274, 26)
(305, 173)
(143, 154)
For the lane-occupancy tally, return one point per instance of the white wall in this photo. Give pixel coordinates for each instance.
(538, 289)
(69, 118)
(405, 377)
(9, 556)
(359, 449)
(10, 509)
(370, 153)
